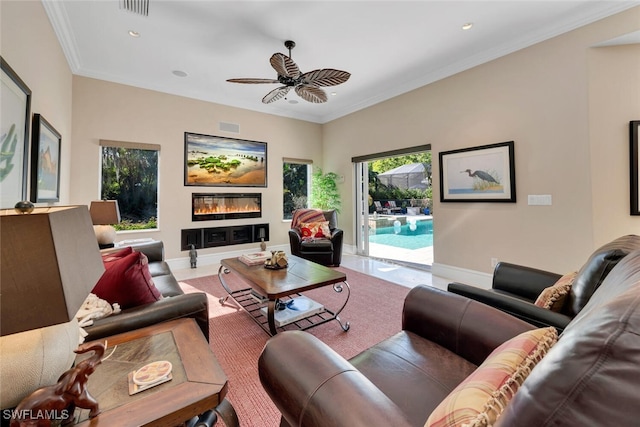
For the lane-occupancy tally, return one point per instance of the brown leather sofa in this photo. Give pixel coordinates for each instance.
(175, 303)
(515, 288)
(589, 377)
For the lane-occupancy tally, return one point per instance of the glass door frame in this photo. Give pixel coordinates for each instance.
(361, 171)
(362, 208)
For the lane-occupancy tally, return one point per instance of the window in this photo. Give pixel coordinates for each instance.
(296, 177)
(129, 174)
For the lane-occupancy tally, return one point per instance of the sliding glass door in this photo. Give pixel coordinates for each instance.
(394, 217)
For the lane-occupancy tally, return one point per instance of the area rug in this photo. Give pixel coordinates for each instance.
(374, 312)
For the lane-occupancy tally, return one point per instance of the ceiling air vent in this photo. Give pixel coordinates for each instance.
(141, 7)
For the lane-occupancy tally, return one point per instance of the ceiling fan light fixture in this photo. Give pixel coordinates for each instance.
(306, 85)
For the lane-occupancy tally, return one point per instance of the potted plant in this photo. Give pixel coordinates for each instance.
(324, 191)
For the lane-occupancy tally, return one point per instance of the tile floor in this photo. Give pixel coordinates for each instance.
(395, 273)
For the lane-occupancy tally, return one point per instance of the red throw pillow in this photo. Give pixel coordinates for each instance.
(109, 258)
(318, 230)
(127, 280)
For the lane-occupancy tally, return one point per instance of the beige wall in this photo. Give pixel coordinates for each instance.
(614, 100)
(565, 104)
(30, 47)
(103, 110)
(551, 100)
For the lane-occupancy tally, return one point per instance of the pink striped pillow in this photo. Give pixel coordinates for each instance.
(481, 397)
(306, 215)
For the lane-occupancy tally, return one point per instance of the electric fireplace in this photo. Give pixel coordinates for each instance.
(218, 206)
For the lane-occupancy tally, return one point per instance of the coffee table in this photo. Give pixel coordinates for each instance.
(301, 275)
(198, 384)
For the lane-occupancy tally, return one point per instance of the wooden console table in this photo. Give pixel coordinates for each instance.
(198, 383)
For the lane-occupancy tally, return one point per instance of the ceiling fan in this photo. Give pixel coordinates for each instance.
(306, 85)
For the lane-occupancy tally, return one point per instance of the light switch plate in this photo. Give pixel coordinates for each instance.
(540, 199)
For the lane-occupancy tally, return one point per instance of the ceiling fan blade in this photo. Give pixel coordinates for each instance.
(325, 77)
(276, 94)
(252, 81)
(311, 93)
(284, 65)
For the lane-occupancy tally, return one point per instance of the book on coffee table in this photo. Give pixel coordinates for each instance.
(255, 258)
(297, 308)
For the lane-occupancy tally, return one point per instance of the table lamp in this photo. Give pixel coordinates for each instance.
(261, 236)
(105, 213)
(49, 264)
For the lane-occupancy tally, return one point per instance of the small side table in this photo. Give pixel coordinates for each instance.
(198, 382)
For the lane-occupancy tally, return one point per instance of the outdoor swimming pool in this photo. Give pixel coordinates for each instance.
(406, 238)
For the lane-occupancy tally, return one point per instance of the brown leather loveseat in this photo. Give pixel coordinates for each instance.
(175, 303)
(515, 288)
(590, 377)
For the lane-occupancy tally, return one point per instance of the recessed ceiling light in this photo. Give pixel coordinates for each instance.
(293, 101)
(179, 73)
(134, 33)
(467, 26)
(334, 93)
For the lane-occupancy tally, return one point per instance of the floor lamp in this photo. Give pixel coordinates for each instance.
(50, 263)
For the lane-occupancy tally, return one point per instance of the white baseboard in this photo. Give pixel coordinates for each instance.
(462, 275)
(348, 249)
(448, 272)
(214, 259)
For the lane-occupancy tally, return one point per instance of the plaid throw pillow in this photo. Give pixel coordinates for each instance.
(553, 297)
(481, 397)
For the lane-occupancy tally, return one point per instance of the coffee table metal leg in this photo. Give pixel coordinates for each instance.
(271, 307)
(338, 288)
(221, 272)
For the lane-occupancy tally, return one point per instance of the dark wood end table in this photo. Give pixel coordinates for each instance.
(198, 384)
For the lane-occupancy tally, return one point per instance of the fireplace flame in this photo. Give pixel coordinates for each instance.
(224, 205)
(207, 210)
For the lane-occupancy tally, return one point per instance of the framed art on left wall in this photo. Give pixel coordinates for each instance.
(45, 161)
(634, 134)
(15, 99)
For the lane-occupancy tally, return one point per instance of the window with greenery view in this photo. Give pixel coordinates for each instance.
(295, 180)
(130, 176)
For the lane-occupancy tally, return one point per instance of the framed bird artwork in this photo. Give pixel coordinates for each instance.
(478, 174)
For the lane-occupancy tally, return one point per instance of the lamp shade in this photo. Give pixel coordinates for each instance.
(50, 263)
(105, 212)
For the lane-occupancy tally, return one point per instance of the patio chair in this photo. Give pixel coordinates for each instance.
(379, 208)
(392, 207)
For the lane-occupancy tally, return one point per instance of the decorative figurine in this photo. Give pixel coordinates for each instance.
(193, 255)
(24, 207)
(277, 261)
(60, 400)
